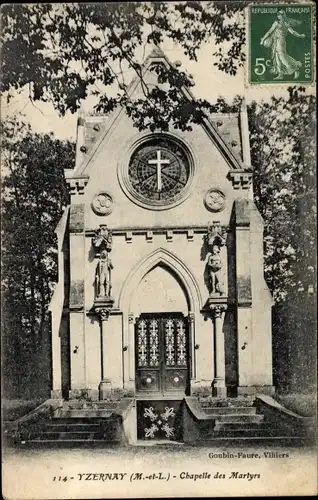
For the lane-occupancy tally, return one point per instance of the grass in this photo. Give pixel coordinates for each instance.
(302, 404)
(13, 409)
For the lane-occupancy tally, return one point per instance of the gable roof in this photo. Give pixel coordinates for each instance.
(225, 130)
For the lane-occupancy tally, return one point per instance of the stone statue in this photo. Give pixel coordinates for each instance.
(103, 275)
(214, 265)
(103, 239)
(215, 240)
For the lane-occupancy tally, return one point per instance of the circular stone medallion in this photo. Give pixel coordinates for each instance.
(102, 203)
(214, 200)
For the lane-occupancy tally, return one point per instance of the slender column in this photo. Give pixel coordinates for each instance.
(193, 373)
(131, 351)
(218, 385)
(105, 385)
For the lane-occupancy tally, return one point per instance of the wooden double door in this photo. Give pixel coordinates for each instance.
(162, 354)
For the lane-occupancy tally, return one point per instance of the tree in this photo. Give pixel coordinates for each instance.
(65, 52)
(285, 192)
(33, 197)
(282, 137)
(284, 186)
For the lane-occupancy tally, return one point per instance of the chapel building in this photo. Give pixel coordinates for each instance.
(161, 292)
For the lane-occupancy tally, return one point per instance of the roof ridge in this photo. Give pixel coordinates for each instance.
(157, 52)
(108, 124)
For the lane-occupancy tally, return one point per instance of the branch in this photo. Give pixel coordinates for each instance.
(31, 99)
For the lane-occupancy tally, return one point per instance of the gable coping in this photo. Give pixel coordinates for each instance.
(81, 170)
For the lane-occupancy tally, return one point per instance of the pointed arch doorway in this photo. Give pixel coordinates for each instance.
(162, 335)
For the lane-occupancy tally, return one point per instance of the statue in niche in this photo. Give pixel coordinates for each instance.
(214, 265)
(215, 239)
(102, 243)
(103, 239)
(103, 275)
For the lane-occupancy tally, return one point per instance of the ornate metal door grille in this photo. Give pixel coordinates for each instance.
(162, 353)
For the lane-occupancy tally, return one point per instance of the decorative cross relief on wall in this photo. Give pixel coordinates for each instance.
(160, 422)
(102, 244)
(215, 240)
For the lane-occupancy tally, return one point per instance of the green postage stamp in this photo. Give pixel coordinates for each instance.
(280, 43)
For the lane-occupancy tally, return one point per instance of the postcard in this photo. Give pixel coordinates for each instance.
(159, 250)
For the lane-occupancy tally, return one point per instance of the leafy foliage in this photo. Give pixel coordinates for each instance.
(285, 188)
(282, 139)
(65, 52)
(33, 196)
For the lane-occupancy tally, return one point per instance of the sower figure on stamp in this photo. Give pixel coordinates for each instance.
(103, 275)
(214, 265)
(275, 39)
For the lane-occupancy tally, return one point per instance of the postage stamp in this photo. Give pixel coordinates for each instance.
(280, 41)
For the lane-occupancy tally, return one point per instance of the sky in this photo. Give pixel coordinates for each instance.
(210, 83)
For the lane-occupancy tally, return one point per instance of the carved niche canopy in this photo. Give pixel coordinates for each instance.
(103, 239)
(216, 235)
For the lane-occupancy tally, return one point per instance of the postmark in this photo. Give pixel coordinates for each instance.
(280, 43)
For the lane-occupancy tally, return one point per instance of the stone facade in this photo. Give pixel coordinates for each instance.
(201, 256)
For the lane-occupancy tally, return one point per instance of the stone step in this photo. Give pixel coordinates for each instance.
(240, 441)
(238, 429)
(69, 443)
(215, 428)
(98, 405)
(79, 420)
(231, 410)
(247, 440)
(89, 413)
(73, 427)
(71, 436)
(237, 426)
(244, 419)
(239, 432)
